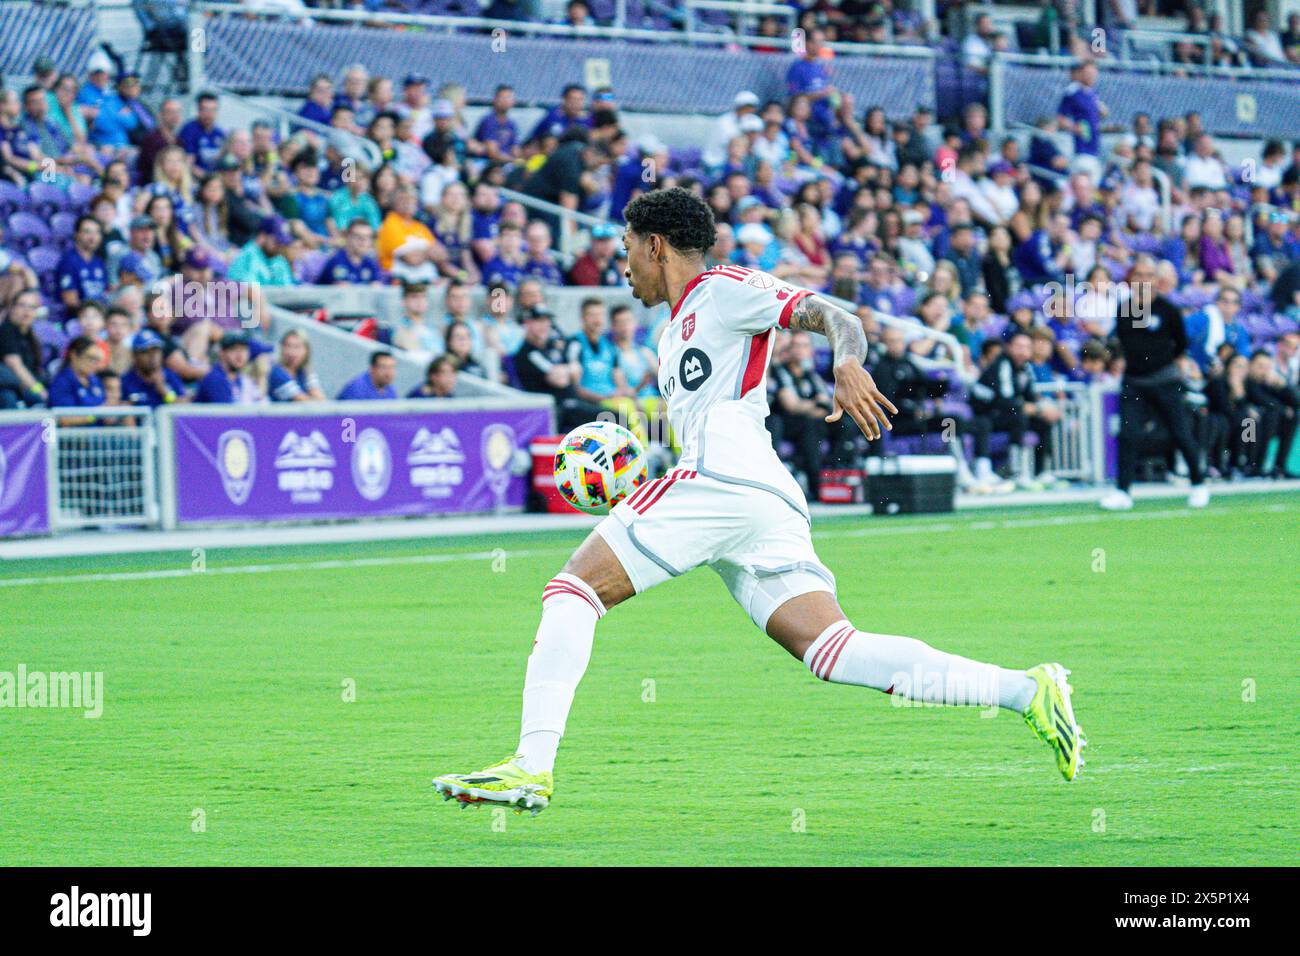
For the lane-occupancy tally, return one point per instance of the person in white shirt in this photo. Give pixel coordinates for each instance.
(978, 45)
(1139, 201)
(728, 127)
(1000, 189)
(1204, 167)
(1262, 42)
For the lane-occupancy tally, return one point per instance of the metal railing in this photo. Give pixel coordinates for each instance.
(349, 145)
(104, 472)
(452, 24)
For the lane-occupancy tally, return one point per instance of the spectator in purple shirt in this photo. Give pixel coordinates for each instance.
(201, 137)
(810, 76)
(375, 383)
(319, 107)
(496, 138)
(571, 112)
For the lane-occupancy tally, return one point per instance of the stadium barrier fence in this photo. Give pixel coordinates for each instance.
(1253, 102)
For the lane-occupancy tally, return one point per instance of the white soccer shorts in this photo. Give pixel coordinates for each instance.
(756, 541)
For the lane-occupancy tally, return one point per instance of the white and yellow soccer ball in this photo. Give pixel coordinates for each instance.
(598, 465)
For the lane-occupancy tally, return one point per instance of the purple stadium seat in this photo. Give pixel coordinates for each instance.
(51, 336)
(80, 195)
(63, 225)
(12, 199)
(310, 266)
(27, 230)
(46, 199)
(44, 259)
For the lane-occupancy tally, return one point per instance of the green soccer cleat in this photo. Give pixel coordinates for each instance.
(1051, 718)
(506, 784)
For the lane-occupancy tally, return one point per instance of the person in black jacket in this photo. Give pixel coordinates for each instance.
(1276, 403)
(1007, 397)
(799, 414)
(1151, 334)
(903, 381)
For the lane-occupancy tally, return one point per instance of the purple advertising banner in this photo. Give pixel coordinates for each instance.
(24, 495)
(232, 468)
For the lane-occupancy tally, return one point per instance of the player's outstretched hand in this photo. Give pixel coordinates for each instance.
(856, 393)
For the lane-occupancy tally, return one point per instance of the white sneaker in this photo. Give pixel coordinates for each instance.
(1117, 501)
(1198, 497)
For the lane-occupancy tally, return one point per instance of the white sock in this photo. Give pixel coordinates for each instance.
(570, 610)
(913, 669)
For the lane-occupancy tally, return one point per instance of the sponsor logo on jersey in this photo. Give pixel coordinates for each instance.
(372, 464)
(761, 280)
(688, 326)
(695, 369)
(435, 460)
(304, 466)
(236, 463)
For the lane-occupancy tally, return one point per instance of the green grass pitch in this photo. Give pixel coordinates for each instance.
(226, 737)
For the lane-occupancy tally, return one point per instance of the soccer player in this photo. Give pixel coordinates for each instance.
(731, 504)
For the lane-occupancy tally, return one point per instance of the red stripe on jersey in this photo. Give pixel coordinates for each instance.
(789, 307)
(739, 273)
(756, 364)
(646, 506)
(830, 668)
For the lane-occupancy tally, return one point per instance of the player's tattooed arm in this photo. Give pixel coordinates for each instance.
(855, 389)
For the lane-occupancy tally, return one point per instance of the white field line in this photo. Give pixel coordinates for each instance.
(883, 530)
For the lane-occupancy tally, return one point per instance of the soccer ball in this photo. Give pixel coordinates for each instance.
(598, 465)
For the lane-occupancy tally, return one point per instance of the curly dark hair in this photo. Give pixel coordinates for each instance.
(680, 216)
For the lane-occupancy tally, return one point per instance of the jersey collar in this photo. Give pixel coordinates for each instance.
(690, 287)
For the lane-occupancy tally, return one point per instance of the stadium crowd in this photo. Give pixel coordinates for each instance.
(136, 240)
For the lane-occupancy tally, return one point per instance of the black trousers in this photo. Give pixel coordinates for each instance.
(1013, 420)
(807, 432)
(1139, 402)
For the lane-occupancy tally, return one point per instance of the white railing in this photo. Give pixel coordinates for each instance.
(102, 472)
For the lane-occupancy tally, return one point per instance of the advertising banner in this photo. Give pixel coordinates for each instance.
(24, 494)
(240, 468)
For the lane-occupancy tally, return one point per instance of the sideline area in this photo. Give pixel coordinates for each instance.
(398, 529)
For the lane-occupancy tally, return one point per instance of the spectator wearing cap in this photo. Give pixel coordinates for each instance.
(756, 248)
(201, 137)
(292, 378)
(99, 70)
(82, 273)
(148, 382)
(263, 260)
(416, 330)
(728, 126)
(600, 264)
(569, 113)
(77, 384)
(242, 217)
(355, 263)
(496, 138)
(138, 262)
(1276, 246)
(374, 384)
(444, 135)
(228, 383)
(22, 375)
(542, 366)
(415, 105)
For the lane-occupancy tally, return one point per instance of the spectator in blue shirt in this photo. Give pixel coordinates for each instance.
(374, 383)
(571, 112)
(77, 385)
(355, 263)
(81, 273)
(148, 382)
(1210, 327)
(227, 383)
(122, 118)
(319, 107)
(201, 137)
(592, 355)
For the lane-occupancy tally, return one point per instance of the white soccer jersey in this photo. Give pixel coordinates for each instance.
(713, 361)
